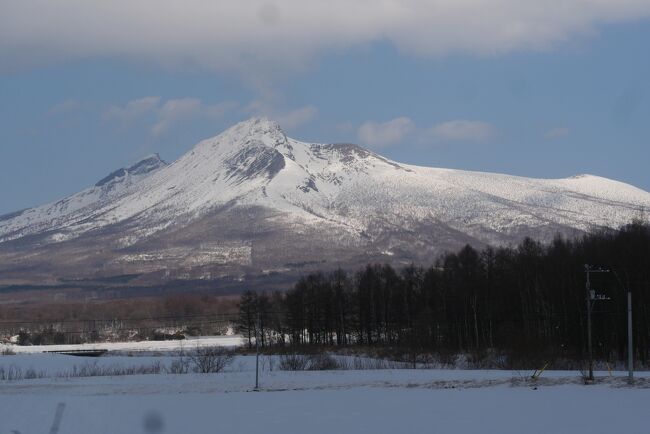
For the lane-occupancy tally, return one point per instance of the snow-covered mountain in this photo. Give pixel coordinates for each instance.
(252, 200)
(72, 209)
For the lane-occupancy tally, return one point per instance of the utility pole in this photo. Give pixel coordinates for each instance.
(591, 298)
(630, 332)
(257, 354)
(630, 348)
(589, 352)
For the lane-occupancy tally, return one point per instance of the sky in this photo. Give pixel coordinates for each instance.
(525, 87)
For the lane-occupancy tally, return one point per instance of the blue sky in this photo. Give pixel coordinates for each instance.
(575, 101)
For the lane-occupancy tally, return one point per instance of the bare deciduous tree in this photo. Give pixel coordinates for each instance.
(208, 360)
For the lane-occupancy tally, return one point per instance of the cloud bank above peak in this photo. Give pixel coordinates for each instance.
(165, 114)
(397, 131)
(285, 34)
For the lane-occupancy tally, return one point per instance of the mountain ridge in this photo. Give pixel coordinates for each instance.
(252, 200)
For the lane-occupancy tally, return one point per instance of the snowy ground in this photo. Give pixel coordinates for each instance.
(363, 401)
(171, 345)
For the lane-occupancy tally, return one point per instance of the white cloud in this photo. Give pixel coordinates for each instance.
(66, 106)
(397, 130)
(345, 127)
(460, 131)
(175, 111)
(256, 37)
(385, 134)
(557, 133)
(288, 119)
(297, 117)
(133, 110)
(166, 114)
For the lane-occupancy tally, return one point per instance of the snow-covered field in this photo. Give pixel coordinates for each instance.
(170, 345)
(361, 401)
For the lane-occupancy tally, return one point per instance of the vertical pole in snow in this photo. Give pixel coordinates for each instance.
(257, 354)
(591, 360)
(630, 348)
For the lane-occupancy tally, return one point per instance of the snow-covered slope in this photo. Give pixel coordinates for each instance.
(253, 182)
(80, 206)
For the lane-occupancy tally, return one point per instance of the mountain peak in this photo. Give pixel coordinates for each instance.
(257, 122)
(146, 165)
(261, 128)
(142, 167)
(253, 136)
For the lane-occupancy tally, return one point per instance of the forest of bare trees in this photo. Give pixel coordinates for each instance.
(143, 318)
(524, 300)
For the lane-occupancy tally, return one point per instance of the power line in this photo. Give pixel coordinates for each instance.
(115, 319)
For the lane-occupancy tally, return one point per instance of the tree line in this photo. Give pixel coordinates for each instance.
(42, 322)
(529, 299)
